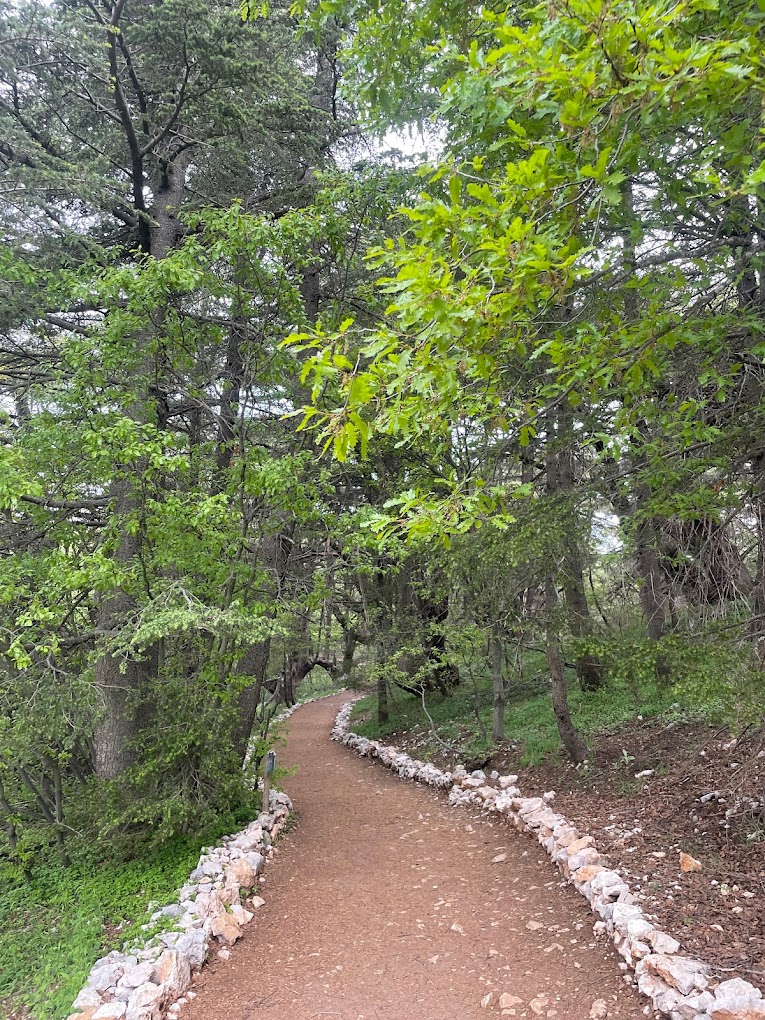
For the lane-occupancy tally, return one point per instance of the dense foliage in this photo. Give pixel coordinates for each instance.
(274, 400)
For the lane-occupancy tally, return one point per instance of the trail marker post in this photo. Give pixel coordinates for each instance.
(268, 771)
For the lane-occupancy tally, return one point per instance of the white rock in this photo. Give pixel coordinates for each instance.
(737, 1000)
(508, 1001)
(144, 1002)
(681, 972)
(138, 975)
(87, 997)
(173, 972)
(662, 943)
(242, 916)
(193, 945)
(113, 1010)
(105, 977)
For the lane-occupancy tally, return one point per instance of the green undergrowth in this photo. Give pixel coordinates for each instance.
(58, 922)
(529, 719)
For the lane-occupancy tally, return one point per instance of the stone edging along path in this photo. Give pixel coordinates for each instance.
(150, 979)
(678, 986)
(143, 982)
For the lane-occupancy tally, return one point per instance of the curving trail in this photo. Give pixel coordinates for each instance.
(383, 904)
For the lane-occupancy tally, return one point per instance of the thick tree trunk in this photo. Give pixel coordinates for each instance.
(589, 668)
(121, 682)
(383, 715)
(274, 553)
(653, 589)
(499, 694)
(254, 663)
(349, 651)
(124, 684)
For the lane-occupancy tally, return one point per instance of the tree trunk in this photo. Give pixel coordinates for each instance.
(653, 589)
(757, 631)
(382, 700)
(254, 663)
(120, 681)
(349, 650)
(123, 683)
(499, 694)
(572, 741)
(569, 735)
(589, 669)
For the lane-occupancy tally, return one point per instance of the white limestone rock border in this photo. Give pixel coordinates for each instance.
(678, 986)
(152, 979)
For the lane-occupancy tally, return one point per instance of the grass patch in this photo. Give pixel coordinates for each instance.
(529, 719)
(58, 923)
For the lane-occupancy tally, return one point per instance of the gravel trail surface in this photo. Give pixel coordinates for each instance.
(384, 903)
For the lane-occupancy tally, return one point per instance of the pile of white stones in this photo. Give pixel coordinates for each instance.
(154, 978)
(678, 986)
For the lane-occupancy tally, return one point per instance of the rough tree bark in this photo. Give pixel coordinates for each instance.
(572, 741)
(123, 683)
(757, 627)
(499, 693)
(589, 668)
(569, 735)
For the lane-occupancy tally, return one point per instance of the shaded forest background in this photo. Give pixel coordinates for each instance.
(274, 399)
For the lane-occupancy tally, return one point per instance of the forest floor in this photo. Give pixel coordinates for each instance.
(652, 788)
(384, 903)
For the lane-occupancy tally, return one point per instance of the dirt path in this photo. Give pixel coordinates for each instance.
(383, 904)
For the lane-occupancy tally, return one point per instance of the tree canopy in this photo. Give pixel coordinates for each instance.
(275, 400)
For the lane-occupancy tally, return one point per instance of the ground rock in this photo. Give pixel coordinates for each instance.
(565, 835)
(622, 914)
(210, 905)
(113, 1010)
(242, 916)
(692, 1005)
(144, 1002)
(506, 781)
(138, 975)
(508, 1001)
(173, 972)
(688, 863)
(256, 861)
(599, 1010)
(737, 1000)
(579, 844)
(488, 1000)
(584, 857)
(193, 945)
(681, 972)
(105, 977)
(662, 943)
(225, 928)
(639, 928)
(230, 892)
(88, 997)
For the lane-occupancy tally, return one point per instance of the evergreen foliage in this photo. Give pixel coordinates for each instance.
(271, 402)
